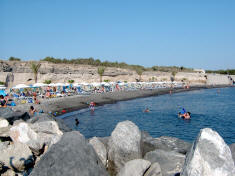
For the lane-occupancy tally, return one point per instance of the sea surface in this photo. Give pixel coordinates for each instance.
(210, 108)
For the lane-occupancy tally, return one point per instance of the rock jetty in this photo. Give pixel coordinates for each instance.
(43, 145)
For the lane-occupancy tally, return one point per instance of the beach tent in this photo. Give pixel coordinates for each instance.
(20, 86)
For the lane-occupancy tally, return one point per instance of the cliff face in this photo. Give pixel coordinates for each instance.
(20, 72)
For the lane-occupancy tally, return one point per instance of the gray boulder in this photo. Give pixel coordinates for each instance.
(100, 149)
(17, 156)
(135, 167)
(170, 162)
(164, 143)
(124, 145)
(232, 148)
(72, 156)
(209, 156)
(3, 123)
(10, 115)
(154, 170)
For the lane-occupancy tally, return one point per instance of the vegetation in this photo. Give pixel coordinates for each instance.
(225, 72)
(35, 68)
(2, 83)
(100, 71)
(14, 59)
(70, 81)
(139, 71)
(106, 80)
(47, 82)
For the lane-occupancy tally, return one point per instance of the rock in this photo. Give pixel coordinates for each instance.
(72, 156)
(135, 167)
(154, 170)
(8, 172)
(164, 143)
(17, 156)
(100, 149)
(3, 123)
(232, 148)
(124, 145)
(11, 116)
(105, 141)
(170, 162)
(209, 156)
(4, 145)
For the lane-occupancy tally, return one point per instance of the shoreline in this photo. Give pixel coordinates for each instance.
(75, 103)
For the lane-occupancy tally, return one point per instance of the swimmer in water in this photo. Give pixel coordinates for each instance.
(76, 122)
(92, 106)
(146, 110)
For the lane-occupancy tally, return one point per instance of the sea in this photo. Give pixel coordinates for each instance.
(210, 108)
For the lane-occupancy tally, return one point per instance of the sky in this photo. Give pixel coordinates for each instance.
(189, 33)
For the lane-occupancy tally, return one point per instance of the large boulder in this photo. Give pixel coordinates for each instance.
(232, 148)
(135, 167)
(3, 123)
(209, 156)
(17, 156)
(124, 145)
(100, 149)
(170, 162)
(11, 116)
(164, 143)
(24, 134)
(72, 156)
(154, 170)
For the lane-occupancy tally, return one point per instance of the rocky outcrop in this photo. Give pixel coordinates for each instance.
(135, 167)
(11, 116)
(17, 156)
(209, 156)
(170, 162)
(72, 155)
(124, 145)
(3, 123)
(164, 143)
(232, 148)
(100, 149)
(154, 170)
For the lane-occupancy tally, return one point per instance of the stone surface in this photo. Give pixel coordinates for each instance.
(72, 156)
(232, 148)
(209, 156)
(24, 134)
(100, 149)
(124, 145)
(164, 143)
(17, 157)
(10, 115)
(8, 172)
(3, 123)
(135, 167)
(170, 162)
(154, 170)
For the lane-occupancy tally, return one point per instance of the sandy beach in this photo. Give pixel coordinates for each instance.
(73, 103)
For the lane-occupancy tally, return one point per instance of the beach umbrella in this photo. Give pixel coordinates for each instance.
(40, 85)
(60, 84)
(20, 86)
(52, 85)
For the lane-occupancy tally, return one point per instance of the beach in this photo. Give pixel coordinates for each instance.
(77, 102)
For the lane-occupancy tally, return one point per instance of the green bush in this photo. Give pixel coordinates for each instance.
(14, 59)
(70, 81)
(2, 83)
(106, 80)
(47, 82)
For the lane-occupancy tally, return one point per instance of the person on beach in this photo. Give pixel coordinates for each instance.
(32, 110)
(3, 102)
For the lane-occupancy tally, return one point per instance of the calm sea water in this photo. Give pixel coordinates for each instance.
(213, 108)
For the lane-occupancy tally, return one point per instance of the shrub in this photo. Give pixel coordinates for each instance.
(106, 80)
(70, 81)
(47, 82)
(2, 83)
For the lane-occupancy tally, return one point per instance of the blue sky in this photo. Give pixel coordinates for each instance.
(190, 33)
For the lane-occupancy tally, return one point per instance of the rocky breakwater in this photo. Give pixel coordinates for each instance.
(40, 146)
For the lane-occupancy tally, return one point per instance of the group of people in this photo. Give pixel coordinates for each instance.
(3, 101)
(183, 114)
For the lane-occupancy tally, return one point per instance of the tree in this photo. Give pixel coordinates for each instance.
(139, 71)
(35, 68)
(14, 59)
(100, 71)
